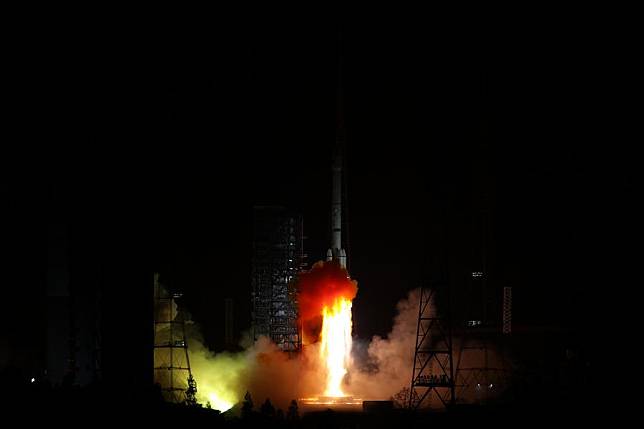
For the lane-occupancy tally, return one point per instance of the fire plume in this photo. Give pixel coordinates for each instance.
(325, 295)
(335, 349)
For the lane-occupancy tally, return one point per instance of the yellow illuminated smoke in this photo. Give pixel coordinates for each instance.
(220, 378)
(335, 348)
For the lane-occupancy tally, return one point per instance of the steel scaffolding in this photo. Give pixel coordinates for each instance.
(171, 361)
(277, 259)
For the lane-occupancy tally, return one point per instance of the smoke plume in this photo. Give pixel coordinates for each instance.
(262, 369)
(224, 378)
(378, 373)
(386, 369)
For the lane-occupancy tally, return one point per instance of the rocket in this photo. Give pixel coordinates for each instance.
(336, 252)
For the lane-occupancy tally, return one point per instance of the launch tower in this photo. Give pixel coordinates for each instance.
(277, 258)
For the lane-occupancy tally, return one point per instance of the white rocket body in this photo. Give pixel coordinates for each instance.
(336, 252)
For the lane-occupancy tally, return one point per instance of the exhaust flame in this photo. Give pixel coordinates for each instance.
(335, 348)
(325, 295)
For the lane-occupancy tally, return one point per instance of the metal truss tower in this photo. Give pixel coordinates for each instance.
(277, 259)
(171, 361)
(432, 374)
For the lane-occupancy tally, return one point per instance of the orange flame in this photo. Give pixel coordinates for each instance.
(325, 295)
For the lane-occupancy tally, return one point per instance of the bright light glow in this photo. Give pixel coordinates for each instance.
(33, 380)
(219, 377)
(335, 348)
(218, 403)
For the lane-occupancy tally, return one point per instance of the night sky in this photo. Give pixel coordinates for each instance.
(153, 142)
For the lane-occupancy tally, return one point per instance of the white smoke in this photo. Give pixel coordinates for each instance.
(387, 368)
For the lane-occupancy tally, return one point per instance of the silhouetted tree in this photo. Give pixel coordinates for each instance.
(267, 408)
(247, 406)
(191, 392)
(401, 399)
(292, 413)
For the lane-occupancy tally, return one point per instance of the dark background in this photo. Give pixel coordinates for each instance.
(151, 140)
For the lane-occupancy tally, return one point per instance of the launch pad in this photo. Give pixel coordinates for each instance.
(340, 403)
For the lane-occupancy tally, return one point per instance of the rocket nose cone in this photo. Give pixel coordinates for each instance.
(329, 253)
